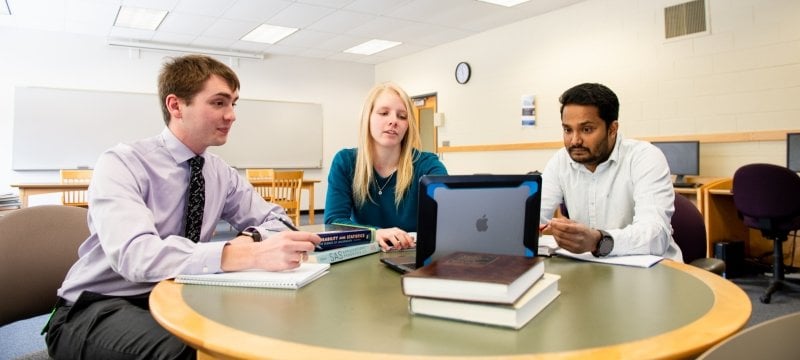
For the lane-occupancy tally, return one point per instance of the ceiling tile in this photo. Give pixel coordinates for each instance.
(203, 7)
(340, 21)
(307, 38)
(334, 4)
(379, 27)
(340, 43)
(231, 29)
(278, 49)
(186, 23)
(423, 10)
(128, 33)
(376, 7)
(255, 10)
(299, 15)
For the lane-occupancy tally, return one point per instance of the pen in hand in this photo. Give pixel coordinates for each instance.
(293, 228)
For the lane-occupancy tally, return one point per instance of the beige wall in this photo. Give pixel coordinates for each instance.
(744, 76)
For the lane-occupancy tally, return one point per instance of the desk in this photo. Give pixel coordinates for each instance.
(26, 190)
(308, 184)
(358, 311)
(723, 223)
(696, 194)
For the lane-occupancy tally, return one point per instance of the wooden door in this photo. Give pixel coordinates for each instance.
(424, 110)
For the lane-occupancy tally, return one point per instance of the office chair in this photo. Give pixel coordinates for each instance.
(767, 198)
(689, 232)
(38, 245)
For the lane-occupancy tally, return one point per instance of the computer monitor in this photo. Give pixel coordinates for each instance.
(793, 151)
(683, 158)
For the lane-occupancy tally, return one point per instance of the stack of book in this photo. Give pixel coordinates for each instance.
(341, 242)
(499, 290)
(9, 201)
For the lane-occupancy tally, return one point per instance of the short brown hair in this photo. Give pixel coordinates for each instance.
(185, 76)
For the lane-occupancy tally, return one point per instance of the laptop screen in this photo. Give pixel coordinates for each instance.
(496, 214)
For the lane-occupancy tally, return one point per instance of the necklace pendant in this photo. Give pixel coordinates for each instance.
(380, 192)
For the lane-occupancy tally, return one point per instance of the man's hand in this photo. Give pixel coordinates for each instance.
(284, 250)
(573, 236)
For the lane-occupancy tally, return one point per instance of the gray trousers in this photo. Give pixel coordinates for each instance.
(104, 327)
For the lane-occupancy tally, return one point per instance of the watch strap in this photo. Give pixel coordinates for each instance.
(252, 232)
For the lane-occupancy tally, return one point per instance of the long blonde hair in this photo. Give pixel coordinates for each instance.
(363, 176)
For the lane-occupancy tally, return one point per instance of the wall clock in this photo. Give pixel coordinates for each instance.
(463, 72)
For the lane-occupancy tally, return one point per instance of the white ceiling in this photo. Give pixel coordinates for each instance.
(327, 27)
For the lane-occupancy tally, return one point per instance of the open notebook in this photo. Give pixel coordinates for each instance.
(289, 279)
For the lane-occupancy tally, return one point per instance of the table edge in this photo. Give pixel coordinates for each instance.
(729, 313)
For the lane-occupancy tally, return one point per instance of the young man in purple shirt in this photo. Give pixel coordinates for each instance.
(140, 231)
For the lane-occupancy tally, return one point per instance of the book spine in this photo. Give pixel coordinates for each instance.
(345, 253)
(339, 239)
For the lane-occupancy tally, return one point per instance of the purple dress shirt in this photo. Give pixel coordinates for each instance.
(137, 205)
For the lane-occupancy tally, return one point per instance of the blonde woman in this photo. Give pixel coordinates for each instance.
(376, 184)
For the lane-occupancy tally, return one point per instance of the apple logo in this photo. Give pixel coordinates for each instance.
(482, 224)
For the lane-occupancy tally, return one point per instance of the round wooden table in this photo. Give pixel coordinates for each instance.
(358, 311)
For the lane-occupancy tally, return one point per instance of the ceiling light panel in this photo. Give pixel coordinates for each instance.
(506, 3)
(371, 47)
(139, 18)
(268, 34)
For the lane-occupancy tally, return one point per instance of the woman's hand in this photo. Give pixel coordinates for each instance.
(394, 238)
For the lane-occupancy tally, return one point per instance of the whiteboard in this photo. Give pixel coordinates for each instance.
(65, 129)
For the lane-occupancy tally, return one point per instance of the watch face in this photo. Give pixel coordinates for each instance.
(605, 246)
(462, 72)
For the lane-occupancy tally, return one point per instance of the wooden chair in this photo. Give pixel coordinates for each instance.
(286, 192)
(254, 175)
(75, 198)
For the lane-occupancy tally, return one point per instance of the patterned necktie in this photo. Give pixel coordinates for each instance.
(197, 199)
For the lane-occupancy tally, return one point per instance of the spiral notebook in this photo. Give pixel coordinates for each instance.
(289, 279)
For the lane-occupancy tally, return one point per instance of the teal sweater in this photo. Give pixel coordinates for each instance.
(340, 204)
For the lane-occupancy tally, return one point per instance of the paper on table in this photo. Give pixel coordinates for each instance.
(644, 261)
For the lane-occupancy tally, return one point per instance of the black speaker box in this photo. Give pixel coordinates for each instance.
(732, 253)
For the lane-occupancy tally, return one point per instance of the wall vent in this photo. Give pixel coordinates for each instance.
(685, 19)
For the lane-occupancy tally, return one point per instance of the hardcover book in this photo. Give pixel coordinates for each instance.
(344, 253)
(289, 279)
(336, 236)
(514, 316)
(471, 276)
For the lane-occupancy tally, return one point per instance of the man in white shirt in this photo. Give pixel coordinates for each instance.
(618, 192)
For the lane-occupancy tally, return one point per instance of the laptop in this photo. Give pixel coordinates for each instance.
(496, 214)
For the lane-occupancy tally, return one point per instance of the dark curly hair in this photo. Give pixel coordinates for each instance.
(593, 94)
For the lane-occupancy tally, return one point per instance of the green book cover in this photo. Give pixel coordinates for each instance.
(344, 253)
